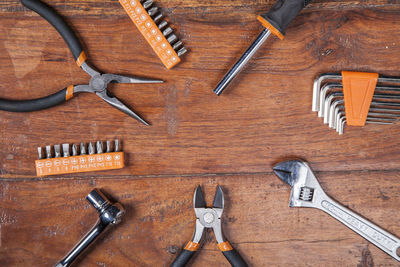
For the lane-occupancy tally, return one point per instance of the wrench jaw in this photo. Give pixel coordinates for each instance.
(306, 191)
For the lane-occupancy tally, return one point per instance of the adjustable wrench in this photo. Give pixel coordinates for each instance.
(307, 192)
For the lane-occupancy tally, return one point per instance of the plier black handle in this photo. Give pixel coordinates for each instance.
(208, 218)
(98, 83)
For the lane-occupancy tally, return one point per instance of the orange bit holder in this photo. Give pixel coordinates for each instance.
(358, 90)
(82, 163)
(151, 32)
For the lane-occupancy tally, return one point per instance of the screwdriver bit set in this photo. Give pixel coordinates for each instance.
(147, 18)
(356, 99)
(67, 158)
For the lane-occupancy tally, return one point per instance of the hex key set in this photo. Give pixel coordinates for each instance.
(356, 99)
(346, 98)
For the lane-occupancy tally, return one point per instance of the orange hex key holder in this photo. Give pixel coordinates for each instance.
(358, 99)
(98, 82)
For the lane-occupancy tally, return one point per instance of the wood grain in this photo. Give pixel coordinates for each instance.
(196, 137)
(264, 116)
(42, 220)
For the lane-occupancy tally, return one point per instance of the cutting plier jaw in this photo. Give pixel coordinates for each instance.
(208, 217)
(199, 202)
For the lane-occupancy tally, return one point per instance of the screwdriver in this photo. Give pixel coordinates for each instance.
(275, 21)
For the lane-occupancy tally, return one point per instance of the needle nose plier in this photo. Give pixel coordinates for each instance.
(98, 82)
(208, 218)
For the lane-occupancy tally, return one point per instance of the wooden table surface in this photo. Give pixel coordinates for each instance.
(197, 137)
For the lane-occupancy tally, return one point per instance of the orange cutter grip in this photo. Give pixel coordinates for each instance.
(225, 246)
(358, 90)
(281, 14)
(151, 32)
(192, 246)
(82, 163)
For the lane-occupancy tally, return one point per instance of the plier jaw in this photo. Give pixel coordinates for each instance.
(98, 82)
(208, 218)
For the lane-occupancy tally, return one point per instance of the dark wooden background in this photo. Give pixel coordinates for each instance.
(196, 137)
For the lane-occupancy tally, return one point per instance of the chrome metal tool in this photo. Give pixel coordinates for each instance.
(275, 21)
(334, 109)
(307, 192)
(109, 214)
(208, 218)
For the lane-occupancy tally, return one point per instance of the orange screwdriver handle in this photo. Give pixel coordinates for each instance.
(278, 18)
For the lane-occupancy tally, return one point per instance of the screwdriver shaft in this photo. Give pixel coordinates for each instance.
(231, 74)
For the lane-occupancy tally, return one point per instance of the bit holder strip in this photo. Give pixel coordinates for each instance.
(62, 162)
(160, 36)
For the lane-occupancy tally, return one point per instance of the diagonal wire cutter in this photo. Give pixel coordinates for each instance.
(208, 218)
(98, 82)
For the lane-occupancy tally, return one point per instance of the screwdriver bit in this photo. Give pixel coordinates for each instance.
(116, 145)
(57, 151)
(162, 25)
(177, 45)
(158, 17)
(65, 148)
(82, 149)
(167, 31)
(182, 51)
(48, 152)
(99, 147)
(152, 11)
(91, 148)
(74, 150)
(147, 4)
(108, 146)
(40, 152)
(172, 38)
(275, 21)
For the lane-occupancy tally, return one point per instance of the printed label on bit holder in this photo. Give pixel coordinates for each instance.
(151, 32)
(82, 163)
